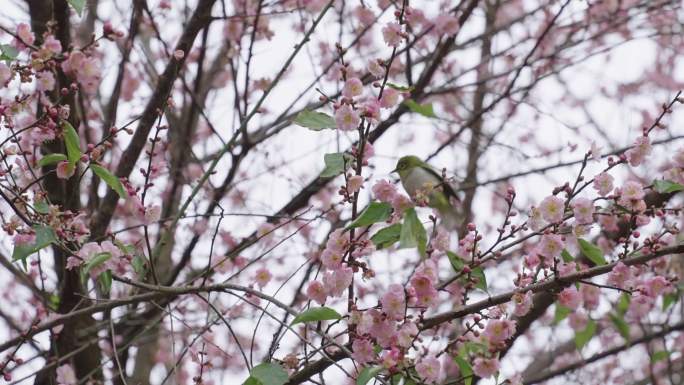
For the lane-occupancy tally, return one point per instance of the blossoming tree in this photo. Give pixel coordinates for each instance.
(202, 192)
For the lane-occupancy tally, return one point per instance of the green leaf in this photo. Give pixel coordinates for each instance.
(479, 275)
(561, 313)
(386, 237)
(567, 257)
(78, 5)
(139, 265)
(314, 120)
(374, 213)
(660, 355)
(477, 348)
(620, 325)
(335, 164)
(41, 206)
(423, 109)
(94, 262)
(251, 381)
(412, 232)
(666, 186)
(322, 313)
(112, 181)
(592, 252)
(670, 299)
(623, 304)
(53, 301)
(582, 337)
(51, 159)
(465, 369)
(267, 373)
(105, 280)
(367, 374)
(400, 88)
(456, 262)
(72, 143)
(8, 52)
(45, 235)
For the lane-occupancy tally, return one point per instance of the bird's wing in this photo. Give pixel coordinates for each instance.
(448, 188)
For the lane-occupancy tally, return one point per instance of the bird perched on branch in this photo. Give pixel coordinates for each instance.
(426, 186)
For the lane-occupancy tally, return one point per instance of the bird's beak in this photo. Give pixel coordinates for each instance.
(393, 171)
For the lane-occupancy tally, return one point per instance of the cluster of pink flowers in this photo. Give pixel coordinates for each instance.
(385, 191)
(640, 150)
(631, 195)
(117, 262)
(85, 69)
(338, 276)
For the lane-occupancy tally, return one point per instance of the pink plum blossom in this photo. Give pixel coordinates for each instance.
(362, 351)
(428, 368)
(316, 291)
(498, 331)
(570, 297)
(485, 367)
(262, 277)
(637, 154)
(352, 87)
(551, 209)
(603, 183)
(65, 170)
(583, 210)
(392, 34)
(394, 302)
(347, 119)
(551, 245)
(384, 191)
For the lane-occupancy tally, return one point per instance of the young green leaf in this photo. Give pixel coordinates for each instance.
(105, 280)
(670, 299)
(623, 304)
(78, 5)
(374, 213)
(666, 186)
(267, 373)
(45, 235)
(479, 275)
(314, 120)
(412, 232)
(561, 313)
(139, 265)
(592, 252)
(423, 109)
(97, 260)
(8, 52)
(386, 237)
(620, 325)
(110, 179)
(400, 88)
(72, 142)
(456, 262)
(335, 164)
(367, 374)
(41, 207)
(567, 257)
(465, 369)
(322, 313)
(582, 337)
(50, 159)
(660, 355)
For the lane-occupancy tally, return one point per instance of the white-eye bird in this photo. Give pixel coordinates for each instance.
(426, 186)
